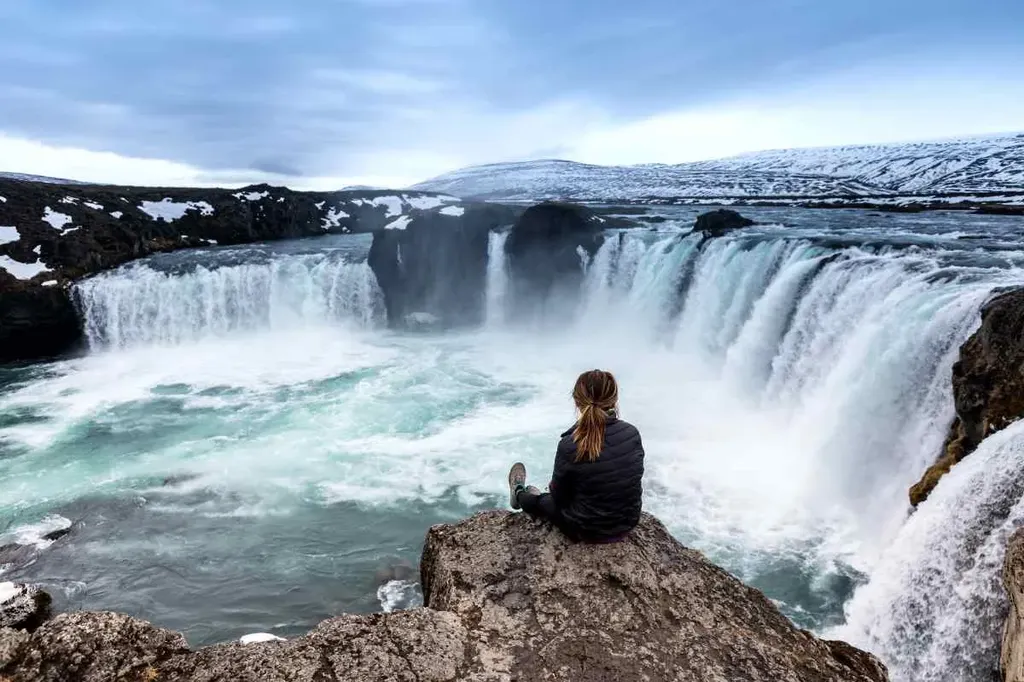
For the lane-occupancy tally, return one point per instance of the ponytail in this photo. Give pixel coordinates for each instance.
(596, 395)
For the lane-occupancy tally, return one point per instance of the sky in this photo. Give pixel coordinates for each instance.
(323, 94)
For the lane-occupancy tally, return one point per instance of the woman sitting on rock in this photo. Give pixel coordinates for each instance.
(595, 490)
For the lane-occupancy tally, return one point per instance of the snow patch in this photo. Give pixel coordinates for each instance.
(171, 210)
(21, 270)
(393, 204)
(3, 200)
(258, 637)
(38, 250)
(332, 218)
(8, 234)
(453, 210)
(251, 196)
(56, 220)
(424, 203)
(399, 223)
(69, 200)
(320, 204)
(50, 283)
(93, 205)
(117, 214)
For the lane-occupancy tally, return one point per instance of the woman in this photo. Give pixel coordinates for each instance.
(595, 491)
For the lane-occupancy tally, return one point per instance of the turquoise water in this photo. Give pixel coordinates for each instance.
(246, 448)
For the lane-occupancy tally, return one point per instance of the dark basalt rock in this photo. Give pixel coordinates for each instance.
(26, 609)
(988, 386)
(720, 221)
(507, 598)
(35, 321)
(545, 255)
(433, 273)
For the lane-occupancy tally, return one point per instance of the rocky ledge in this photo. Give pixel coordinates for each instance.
(506, 598)
(988, 386)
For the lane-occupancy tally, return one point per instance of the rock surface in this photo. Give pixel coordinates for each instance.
(23, 607)
(719, 222)
(988, 386)
(507, 599)
(433, 272)
(1011, 661)
(545, 251)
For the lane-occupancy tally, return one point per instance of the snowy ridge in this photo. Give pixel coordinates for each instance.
(976, 165)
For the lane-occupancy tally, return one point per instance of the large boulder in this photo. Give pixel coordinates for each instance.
(506, 598)
(719, 222)
(23, 607)
(432, 267)
(546, 250)
(988, 386)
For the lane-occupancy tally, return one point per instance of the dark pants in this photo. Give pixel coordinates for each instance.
(542, 506)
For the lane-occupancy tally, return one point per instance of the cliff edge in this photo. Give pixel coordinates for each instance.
(506, 598)
(988, 386)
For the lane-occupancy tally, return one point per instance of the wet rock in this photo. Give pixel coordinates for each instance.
(720, 221)
(1011, 659)
(433, 272)
(546, 250)
(23, 607)
(988, 386)
(507, 598)
(55, 535)
(35, 321)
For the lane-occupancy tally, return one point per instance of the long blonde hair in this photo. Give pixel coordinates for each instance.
(596, 395)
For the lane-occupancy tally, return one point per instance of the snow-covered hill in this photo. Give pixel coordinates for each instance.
(39, 178)
(967, 166)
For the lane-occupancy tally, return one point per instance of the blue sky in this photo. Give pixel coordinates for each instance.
(319, 93)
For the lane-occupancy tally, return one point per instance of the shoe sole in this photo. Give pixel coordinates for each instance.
(518, 466)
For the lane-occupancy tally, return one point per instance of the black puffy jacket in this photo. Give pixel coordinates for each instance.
(601, 499)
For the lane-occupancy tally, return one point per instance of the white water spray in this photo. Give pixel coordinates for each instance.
(139, 305)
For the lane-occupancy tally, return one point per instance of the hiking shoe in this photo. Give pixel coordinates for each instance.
(516, 482)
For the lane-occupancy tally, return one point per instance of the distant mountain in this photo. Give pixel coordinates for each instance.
(965, 166)
(40, 178)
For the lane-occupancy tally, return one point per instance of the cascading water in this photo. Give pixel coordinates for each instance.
(848, 354)
(497, 279)
(139, 305)
(790, 383)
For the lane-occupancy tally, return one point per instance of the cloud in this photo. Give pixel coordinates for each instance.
(311, 92)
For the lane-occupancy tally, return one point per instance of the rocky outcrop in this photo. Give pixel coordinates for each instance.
(720, 222)
(1011, 660)
(23, 607)
(988, 386)
(506, 598)
(546, 250)
(434, 268)
(53, 234)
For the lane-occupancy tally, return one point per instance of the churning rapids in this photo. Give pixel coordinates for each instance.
(246, 445)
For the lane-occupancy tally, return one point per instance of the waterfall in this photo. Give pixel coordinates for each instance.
(934, 607)
(497, 279)
(849, 350)
(139, 305)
